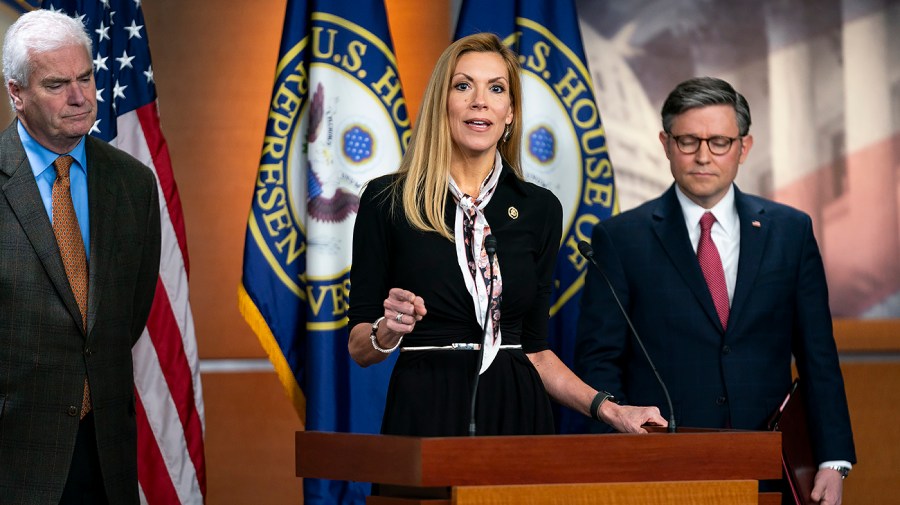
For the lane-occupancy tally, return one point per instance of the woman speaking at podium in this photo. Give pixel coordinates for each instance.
(452, 267)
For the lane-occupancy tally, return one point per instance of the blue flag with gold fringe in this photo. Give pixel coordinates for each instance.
(336, 120)
(564, 145)
(20, 6)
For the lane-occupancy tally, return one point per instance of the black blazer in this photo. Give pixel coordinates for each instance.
(44, 351)
(717, 378)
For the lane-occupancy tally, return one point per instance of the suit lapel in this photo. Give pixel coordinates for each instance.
(102, 202)
(754, 234)
(668, 224)
(24, 199)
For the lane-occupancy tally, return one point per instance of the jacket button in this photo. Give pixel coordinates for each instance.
(721, 400)
(72, 411)
(726, 350)
(88, 351)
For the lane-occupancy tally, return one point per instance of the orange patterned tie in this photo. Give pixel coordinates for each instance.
(71, 248)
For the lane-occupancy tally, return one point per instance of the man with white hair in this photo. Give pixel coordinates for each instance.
(79, 256)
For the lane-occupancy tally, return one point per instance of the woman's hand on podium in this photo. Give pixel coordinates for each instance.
(630, 419)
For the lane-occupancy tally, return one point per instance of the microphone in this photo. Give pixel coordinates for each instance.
(490, 246)
(588, 252)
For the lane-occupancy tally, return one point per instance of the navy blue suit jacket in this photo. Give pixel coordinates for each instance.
(737, 377)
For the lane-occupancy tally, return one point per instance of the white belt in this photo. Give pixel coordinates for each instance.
(453, 347)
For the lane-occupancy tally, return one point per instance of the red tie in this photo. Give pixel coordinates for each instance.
(71, 248)
(711, 264)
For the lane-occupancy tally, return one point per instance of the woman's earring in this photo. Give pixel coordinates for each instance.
(506, 132)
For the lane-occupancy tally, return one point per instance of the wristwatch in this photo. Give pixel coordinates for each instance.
(599, 398)
(843, 470)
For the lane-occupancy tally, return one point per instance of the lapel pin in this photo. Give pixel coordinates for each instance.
(755, 224)
(513, 212)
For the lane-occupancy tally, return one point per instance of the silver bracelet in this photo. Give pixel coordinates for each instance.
(375, 340)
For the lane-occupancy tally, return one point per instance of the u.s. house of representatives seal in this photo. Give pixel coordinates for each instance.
(564, 145)
(337, 120)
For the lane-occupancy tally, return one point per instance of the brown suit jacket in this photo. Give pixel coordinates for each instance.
(44, 351)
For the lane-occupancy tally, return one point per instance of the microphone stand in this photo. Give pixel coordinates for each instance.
(490, 246)
(588, 252)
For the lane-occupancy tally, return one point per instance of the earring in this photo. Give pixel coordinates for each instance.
(506, 132)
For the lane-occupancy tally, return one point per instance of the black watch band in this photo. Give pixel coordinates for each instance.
(843, 470)
(599, 398)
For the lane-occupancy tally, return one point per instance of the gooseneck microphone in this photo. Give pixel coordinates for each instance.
(490, 246)
(588, 252)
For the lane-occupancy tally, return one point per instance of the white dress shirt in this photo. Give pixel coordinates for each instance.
(726, 232)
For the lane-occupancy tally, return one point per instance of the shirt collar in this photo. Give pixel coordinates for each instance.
(42, 158)
(724, 211)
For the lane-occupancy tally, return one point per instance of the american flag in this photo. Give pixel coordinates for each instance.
(170, 417)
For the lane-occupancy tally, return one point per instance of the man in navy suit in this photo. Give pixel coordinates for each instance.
(722, 334)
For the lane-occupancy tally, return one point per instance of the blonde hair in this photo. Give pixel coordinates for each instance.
(425, 168)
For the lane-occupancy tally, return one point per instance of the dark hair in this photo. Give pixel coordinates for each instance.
(701, 92)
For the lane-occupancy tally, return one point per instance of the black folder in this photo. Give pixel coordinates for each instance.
(796, 448)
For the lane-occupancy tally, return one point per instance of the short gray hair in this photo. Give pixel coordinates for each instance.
(702, 92)
(38, 31)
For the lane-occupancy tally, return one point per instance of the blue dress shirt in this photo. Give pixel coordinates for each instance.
(41, 160)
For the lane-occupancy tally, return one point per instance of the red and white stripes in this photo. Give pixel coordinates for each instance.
(171, 421)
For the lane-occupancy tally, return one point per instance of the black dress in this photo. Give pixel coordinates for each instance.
(429, 391)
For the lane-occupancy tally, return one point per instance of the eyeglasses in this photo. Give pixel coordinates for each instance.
(690, 144)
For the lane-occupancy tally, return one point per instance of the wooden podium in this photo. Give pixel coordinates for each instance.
(694, 467)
